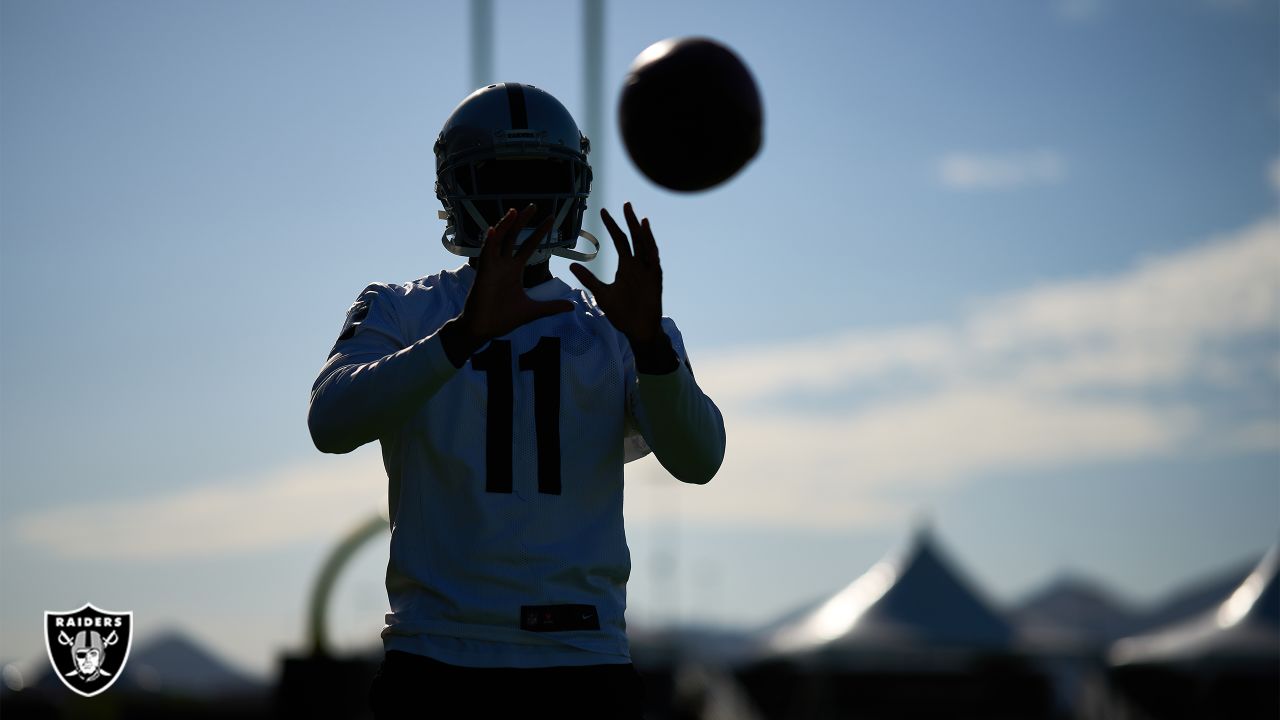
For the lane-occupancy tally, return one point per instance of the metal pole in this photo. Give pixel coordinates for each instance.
(593, 125)
(481, 43)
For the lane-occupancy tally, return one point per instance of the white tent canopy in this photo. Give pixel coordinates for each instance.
(1244, 627)
(914, 601)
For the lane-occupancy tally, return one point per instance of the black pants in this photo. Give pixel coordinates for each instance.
(412, 686)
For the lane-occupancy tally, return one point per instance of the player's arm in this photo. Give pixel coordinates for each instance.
(680, 424)
(373, 383)
(678, 421)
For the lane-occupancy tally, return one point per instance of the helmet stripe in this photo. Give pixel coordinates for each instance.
(519, 115)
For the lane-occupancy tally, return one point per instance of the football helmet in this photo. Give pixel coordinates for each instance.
(508, 145)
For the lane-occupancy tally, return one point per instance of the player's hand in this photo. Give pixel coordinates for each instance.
(633, 301)
(497, 302)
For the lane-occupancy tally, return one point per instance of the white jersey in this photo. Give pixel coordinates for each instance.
(506, 476)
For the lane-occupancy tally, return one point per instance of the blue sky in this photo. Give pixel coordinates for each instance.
(1011, 267)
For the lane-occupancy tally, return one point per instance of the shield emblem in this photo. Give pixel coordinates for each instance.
(88, 647)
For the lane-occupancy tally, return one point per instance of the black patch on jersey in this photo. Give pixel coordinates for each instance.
(356, 315)
(559, 618)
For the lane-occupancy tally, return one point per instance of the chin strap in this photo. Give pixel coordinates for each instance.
(574, 254)
(450, 236)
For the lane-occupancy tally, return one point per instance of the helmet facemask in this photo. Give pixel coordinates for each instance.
(488, 187)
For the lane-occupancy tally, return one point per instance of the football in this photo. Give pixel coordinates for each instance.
(690, 114)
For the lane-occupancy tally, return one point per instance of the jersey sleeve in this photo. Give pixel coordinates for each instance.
(375, 377)
(676, 420)
(372, 323)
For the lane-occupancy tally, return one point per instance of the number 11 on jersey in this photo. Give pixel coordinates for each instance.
(544, 362)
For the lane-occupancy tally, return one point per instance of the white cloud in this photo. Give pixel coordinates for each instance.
(820, 364)
(1001, 171)
(1073, 372)
(1089, 370)
(1163, 322)
(310, 500)
(1159, 323)
(870, 467)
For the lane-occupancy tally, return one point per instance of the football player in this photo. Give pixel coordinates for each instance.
(506, 403)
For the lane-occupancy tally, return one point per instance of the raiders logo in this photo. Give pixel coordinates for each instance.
(88, 647)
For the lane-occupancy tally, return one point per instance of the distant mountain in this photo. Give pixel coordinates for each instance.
(1072, 611)
(173, 664)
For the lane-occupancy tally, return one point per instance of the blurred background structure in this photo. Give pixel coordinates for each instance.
(1013, 267)
(912, 637)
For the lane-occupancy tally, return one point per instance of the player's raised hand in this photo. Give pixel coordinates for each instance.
(497, 302)
(633, 301)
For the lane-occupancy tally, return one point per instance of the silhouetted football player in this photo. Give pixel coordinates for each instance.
(506, 403)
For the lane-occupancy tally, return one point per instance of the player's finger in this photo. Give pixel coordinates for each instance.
(642, 238)
(530, 245)
(505, 228)
(504, 223)
(633, 225)
(650, 245)
(513, 229)
(619, 238)
(489, 247)
(587, 278)
(493, 239)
